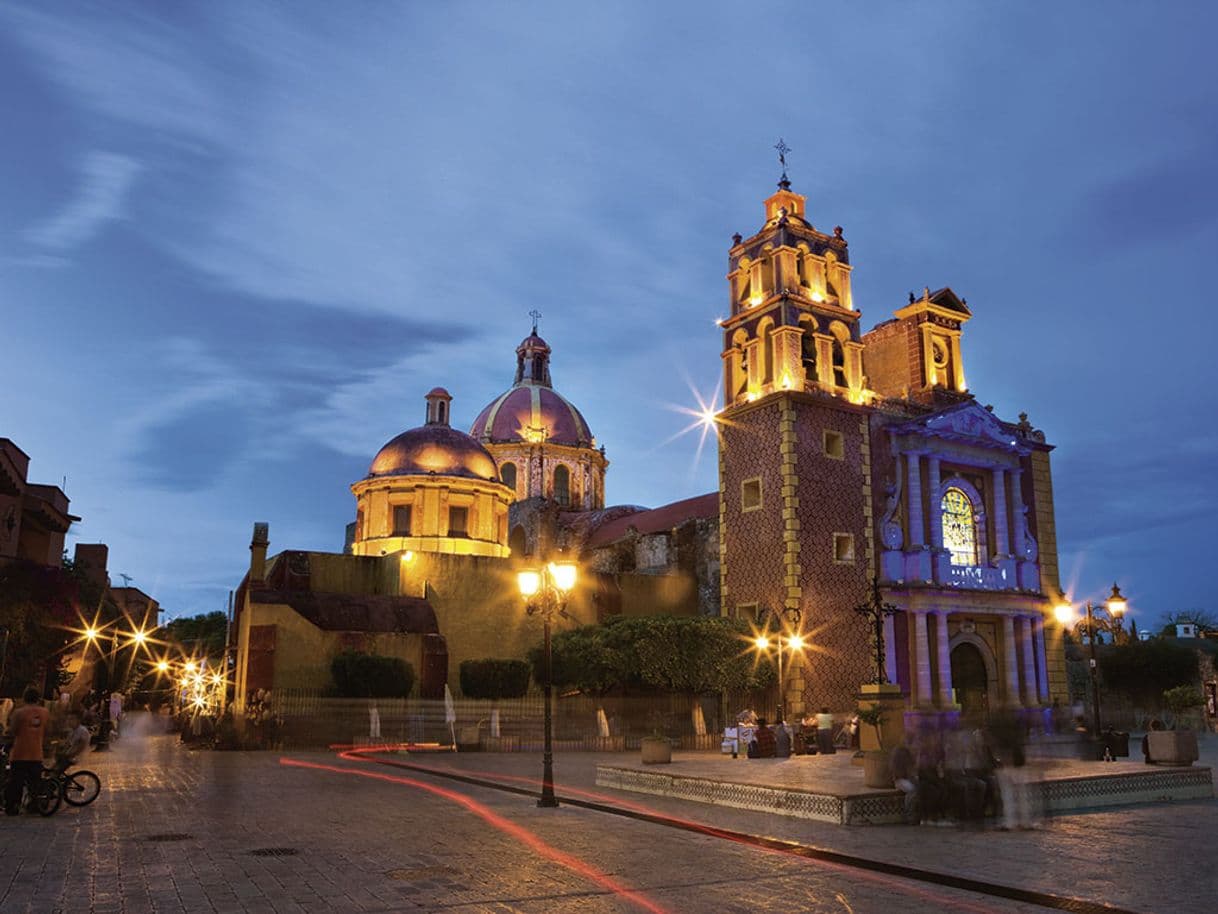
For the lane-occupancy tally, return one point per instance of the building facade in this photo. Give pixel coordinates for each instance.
(849, 459)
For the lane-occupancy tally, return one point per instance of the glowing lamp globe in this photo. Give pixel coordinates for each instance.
(563, 575)
(529, 583)
(1117, 604)
(1064, 613)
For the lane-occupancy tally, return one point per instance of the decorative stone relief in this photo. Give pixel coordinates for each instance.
(890, 528)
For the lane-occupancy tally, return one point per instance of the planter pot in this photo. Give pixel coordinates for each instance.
(656, 751)
(1173, 747)
(875, 769)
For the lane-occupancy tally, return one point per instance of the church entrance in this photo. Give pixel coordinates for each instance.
(969, 679)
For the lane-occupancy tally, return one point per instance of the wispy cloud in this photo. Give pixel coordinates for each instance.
(106, 180)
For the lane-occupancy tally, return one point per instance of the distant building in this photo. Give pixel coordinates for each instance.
(1186, 630)
(34, 517)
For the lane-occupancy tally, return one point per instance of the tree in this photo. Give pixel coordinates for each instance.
(201, 635)
(686, 654)
(38, 610)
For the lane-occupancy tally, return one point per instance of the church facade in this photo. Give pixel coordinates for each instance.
(849, 460)
(851, 463)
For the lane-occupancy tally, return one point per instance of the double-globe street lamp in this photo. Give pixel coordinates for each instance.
(545, 591)
(1116, 604)
(787, 638)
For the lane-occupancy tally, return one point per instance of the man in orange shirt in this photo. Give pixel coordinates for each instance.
(27, 726)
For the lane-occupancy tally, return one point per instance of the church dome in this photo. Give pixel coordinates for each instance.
(434, 449)
(531, 408)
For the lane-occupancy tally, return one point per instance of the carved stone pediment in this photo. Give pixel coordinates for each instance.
(969, 421)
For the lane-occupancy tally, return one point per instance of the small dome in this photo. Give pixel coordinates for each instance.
(434, 450)
(529, 407)
(439, 392)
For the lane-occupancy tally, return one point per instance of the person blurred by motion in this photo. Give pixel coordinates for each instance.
(27, 727)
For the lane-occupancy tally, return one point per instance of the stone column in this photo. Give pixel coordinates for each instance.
(1002, 546)
(914, 494)
(936, 514)
(1042, 666)
(922, 659)
(945, 659)
(1019, 521)
(890, 649)
(1030, 697)
(958, 381)
(1010, 661)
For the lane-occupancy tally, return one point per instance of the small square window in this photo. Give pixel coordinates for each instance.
(843, 548)
(458, 521)
(750, 494)
(746, 611)
(401, 520)
(834, 444)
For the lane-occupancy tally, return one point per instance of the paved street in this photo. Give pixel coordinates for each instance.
(182, 831)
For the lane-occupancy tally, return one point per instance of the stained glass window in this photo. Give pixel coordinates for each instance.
(959, 527)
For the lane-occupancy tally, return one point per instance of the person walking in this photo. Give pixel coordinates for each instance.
(27, 727)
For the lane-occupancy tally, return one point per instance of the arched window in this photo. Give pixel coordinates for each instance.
(508, 474)
(562, 485)
(959, 527)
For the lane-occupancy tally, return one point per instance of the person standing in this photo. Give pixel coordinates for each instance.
(27, 727)
(824, 732)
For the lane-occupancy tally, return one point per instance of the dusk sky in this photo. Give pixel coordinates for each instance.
(239, 242)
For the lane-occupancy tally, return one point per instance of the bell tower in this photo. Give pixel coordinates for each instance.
(794, 447)
(792, 323)
(916, 356)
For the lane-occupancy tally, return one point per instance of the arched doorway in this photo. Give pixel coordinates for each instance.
(970, 679)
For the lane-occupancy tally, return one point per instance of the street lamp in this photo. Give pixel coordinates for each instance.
(793, 642)
(1116, 605)
(545, 592)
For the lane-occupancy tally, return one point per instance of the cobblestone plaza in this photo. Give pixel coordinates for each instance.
(183, 831)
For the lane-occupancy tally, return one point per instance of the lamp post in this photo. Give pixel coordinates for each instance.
(545, 592)
(875, 610)
(1116, 605)
(794, 642)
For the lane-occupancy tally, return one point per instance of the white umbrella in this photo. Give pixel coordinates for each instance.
(450, 714)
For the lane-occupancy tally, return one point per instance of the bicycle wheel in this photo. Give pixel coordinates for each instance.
(48, 795)
(80, 788)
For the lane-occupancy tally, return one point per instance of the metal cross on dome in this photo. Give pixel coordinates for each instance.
(783, 149)
(536, 315)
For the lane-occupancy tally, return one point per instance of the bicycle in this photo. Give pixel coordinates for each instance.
(46, 796)
(78, 788)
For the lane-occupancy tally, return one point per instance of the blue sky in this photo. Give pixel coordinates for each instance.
(239, 241)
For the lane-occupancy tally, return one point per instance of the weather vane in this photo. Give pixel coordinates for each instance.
(783, 149)
(536, 315)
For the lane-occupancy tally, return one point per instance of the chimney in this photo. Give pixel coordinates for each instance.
(258, 546)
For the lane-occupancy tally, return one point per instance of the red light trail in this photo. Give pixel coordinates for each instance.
(521, 834)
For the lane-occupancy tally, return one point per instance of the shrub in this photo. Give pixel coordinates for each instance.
(359, 675)
(1143, 670)
(494, 679)
(1182, 699)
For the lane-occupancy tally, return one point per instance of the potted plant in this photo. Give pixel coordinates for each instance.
(1176, 746)
(657, 748)
(876, 772)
